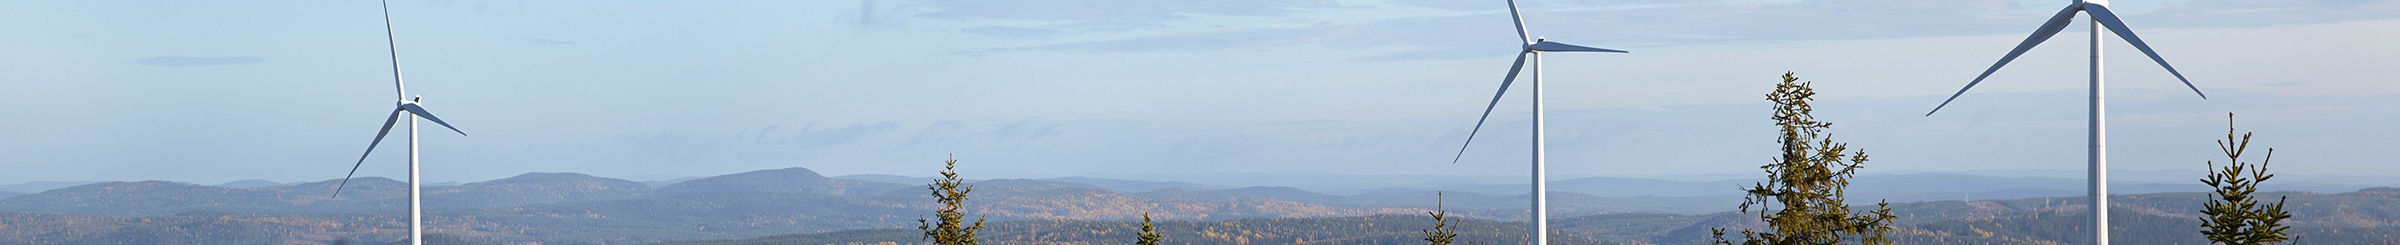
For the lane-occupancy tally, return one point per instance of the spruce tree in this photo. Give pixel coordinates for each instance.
(951, 228)
(1807, 181)
(2233, 215)
(1149, 235)
(1442, 232)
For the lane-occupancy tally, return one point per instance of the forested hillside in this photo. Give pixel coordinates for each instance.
(2363, 217)
(566, 208)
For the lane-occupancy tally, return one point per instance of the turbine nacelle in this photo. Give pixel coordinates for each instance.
(1532, 45)
(406, 107)
(2098, 9)
(2086, 4)
(1549, 46)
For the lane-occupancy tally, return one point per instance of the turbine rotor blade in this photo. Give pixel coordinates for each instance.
(2109, 19)
(1513, 17)
(1549, 46)
(399, 91)
(2057, 22)
(1487, 109)
(420, 111)
(362, 157)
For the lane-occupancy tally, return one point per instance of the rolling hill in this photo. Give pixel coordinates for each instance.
(570, 208)
(795, 203)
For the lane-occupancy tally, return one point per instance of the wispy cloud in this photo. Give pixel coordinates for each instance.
(1012, 31)
(1043, 18)
(547, 41)
(1498, 5)
(814, 137)
(1647, 25)
(2260, 13)
(198, 61)
(1641, 23)
(1112, 11)
(953, 133)
(874, 14)
(1197, 41)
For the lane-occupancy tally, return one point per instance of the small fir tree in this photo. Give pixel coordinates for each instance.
(1442, 232)
(1807, 181)
(2233, 215)
(951, 229)
(1149, 235)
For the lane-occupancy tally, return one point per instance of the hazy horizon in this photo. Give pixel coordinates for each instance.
(2144, 181)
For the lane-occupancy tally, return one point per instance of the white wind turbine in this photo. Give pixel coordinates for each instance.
(411, 109)
(2099, 130)
(1531, 47)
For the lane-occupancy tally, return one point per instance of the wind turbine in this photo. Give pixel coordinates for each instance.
(1532, 48)
(410, 108)
(2099, 127)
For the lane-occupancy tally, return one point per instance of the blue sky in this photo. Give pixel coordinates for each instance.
(291, 90)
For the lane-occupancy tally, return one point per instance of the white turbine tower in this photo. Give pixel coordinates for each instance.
(1533, 48)
(2099, 128)
(410, 108)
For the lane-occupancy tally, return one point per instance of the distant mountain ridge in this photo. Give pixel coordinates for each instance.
(786, 180)
(373, 194)
(40, 186)
(1899, 187)
(248, 183)
(537, 188)
(580, 209)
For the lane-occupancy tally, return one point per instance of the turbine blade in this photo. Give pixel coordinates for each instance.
(362, 157)
(1513, 17)
(1549, 46)
(2109, 19)
(2057, 22)
(420, 111)
(399, 91)
(1487, 109)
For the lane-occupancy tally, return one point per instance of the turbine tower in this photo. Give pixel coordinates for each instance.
(410, 108)
(2098, 9)
(1530, 48)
